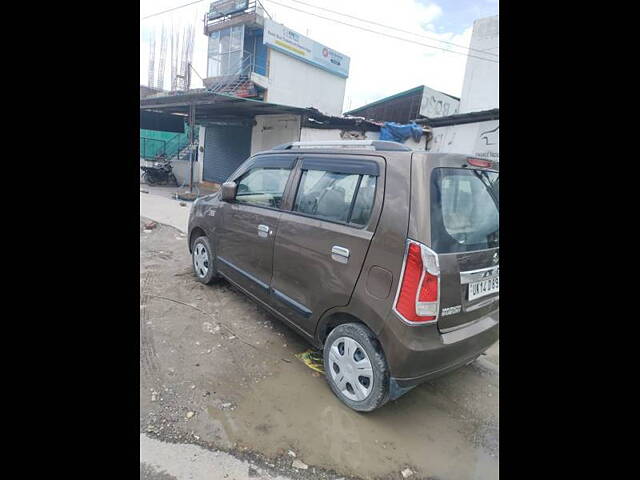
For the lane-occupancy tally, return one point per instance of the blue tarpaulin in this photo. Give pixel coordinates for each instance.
(396, 132)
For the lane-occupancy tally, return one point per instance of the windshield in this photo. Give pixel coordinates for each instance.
(464, 210)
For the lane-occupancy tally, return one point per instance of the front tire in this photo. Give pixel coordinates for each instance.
(202, 261)
(356, 368)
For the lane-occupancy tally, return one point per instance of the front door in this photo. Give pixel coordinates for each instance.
(245, 237)
(322, 242)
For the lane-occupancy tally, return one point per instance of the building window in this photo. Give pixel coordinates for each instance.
(225, 51)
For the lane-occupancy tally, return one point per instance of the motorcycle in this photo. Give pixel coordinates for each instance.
(161, 172)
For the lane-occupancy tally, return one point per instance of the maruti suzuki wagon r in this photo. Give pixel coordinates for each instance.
(385, 258)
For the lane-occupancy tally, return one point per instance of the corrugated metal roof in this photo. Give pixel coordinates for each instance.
(419, 89)
(411, 91)
(215, 106)
(220, 107)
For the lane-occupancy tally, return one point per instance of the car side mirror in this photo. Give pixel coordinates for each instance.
(229, 191)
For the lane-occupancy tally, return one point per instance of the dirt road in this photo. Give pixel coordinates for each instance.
(219, 372)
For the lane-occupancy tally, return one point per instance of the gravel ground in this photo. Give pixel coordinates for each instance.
(220, 373)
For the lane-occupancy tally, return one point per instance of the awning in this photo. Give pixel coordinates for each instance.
(165, 122)
(216, 106)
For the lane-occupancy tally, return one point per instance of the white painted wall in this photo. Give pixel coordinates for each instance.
(181, 168)
(317, 134)
(481, 78)
(481, 139)
(273, 130)
(436, 104)
(299, 84)
(201, 135)
(181, 171)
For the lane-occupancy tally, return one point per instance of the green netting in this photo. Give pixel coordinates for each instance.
(155, 142)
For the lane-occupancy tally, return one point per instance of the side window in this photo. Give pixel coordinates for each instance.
(262, 186)
(330, 196)
(364, 200)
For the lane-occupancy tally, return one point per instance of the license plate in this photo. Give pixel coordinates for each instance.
(484, 287)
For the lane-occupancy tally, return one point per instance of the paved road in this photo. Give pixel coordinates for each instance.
(165, 210)
(173, 461)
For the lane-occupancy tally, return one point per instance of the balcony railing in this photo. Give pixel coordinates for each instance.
(218, 17)
(237, 82)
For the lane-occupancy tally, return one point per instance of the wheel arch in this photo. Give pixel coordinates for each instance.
(195, 233)
(332, 320)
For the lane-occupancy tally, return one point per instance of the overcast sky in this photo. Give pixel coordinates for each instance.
(380, 66)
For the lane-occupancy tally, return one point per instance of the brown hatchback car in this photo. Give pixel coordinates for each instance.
(383, 257)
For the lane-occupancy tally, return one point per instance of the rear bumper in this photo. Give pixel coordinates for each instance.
(418, 354)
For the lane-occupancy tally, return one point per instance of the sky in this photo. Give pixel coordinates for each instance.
(380, 66)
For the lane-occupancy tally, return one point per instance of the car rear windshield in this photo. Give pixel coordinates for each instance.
(464, 209)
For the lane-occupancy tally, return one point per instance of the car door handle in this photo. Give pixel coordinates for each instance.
(264, 231)
(340, 254)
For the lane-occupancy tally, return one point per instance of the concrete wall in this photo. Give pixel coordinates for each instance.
(436, 104)
(317, 134)
(181, 168)
(294, 82)
(481, 139)
(481, 78)
(181, 171)
(273, 130)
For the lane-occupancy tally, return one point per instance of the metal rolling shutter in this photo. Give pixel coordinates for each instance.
(225, 148)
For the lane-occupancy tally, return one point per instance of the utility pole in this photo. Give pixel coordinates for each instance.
(192, 118)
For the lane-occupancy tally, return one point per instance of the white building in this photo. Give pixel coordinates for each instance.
(231, 129)
(482, 77)
(252, 56)
(267, 85)
(476, 129)
(268, 65)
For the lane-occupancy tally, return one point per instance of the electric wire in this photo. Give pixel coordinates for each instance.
(383, 34)
(394, 28)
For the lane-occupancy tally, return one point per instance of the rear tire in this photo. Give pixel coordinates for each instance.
(202, 261)
(356, 368)
(148, 179)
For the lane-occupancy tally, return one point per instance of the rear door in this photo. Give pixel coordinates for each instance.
(322, 242)
(465, 234)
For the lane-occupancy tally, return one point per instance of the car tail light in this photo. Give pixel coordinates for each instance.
(418, 295)
(476, 162)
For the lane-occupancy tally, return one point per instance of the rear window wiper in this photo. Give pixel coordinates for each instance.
(484, 178)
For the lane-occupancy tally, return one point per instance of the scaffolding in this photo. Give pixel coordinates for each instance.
(163, 57)
(152, 59)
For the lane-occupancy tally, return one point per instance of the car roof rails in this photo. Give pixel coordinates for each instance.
(377, 145)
